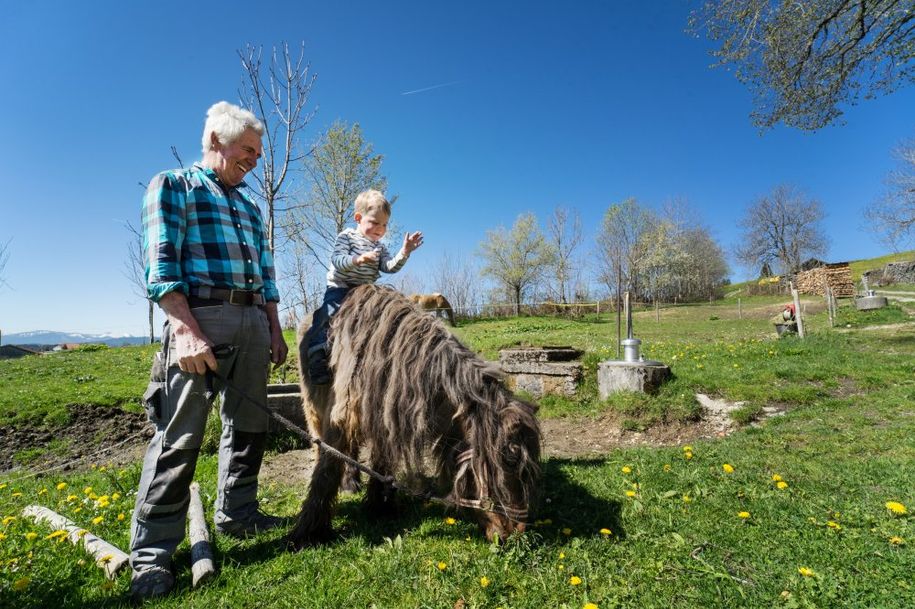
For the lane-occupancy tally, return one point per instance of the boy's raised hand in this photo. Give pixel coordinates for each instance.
(411, 241)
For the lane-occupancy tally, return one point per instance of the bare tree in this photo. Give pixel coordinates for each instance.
(804, 59)
(618, 258)
(564, 235)
(516, 259)
(784, 227)
(135, 272)
(457, 278)
(277, 94)
(893, 216)
(4, 258)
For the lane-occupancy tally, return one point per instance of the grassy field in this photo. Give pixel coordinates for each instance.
(792, 513)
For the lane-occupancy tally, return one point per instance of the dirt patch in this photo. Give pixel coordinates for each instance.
(95, 434)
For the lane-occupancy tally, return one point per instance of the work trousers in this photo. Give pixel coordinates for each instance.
(179, 417)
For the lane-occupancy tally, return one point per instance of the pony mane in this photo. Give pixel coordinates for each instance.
(413, 385)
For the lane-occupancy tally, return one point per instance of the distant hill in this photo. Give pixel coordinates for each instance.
(38, 338)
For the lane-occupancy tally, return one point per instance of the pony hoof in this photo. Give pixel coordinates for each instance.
(296, 543)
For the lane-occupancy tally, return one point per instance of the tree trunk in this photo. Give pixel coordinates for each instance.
(152, 327)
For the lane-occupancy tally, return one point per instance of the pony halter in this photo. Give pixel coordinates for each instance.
(485, 502)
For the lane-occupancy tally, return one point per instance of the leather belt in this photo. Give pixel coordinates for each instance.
(206, 296)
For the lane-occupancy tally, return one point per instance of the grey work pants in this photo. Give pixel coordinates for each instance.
(158, 524)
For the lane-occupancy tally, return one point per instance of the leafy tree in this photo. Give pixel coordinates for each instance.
(516, 259)
(893, 216)
(277, 94)
(622, 228)
(784, 227)
(564, 236)
(342, 165)
(804, 59)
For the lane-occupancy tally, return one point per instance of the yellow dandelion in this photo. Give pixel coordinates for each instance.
(43, 491)
(575, 580)
(626, 469)
(105, 559)
(606, 532)
(897, 541)
(8, 519)
(743, 515)
(687, 456)
(450, 520)
(484, 581)
(61, 486)
(102, 468)
(98, 519)
(776, 478)
(687, 449)
(16, 495)
(805, 571)
(441, 566)
(93, 496)
(590, 606)
(21, 584)
(31, 536)
(562, 555)
(566, 531)
(897, 508)
(58, 533)
(667, 467)
(687, 499)
(81, 533)
(630, 494)
(115, 496)
(728, 468)
(71, 498)
(78, 510)
(832, 524)
(561, 567)
(781, 485)
(87, 490)
(2, 536)
(121, 516)
(737, 365)
(2, 486)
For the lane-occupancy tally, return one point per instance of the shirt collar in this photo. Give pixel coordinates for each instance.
(211, 173)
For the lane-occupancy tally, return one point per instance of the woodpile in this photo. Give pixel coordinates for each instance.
(836, 276)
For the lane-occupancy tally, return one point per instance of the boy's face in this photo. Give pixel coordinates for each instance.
(373, 225)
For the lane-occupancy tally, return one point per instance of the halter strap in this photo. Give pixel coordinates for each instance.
(484, 503)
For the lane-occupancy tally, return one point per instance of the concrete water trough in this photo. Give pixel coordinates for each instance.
(285, 399)
(542, 370)
(870, 301)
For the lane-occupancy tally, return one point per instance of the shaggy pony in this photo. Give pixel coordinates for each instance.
(434, 302)
(408, 390)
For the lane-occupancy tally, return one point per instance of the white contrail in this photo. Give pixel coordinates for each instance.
(444, 84)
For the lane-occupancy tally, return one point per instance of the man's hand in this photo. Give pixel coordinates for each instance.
(411, 241)
(278, 348)
(192, 346)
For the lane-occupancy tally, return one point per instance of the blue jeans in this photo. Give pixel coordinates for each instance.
(316, 337)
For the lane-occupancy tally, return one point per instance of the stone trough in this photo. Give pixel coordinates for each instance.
(285, 399)
(542, 370)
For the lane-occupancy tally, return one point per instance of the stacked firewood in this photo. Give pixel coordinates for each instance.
(835, 276)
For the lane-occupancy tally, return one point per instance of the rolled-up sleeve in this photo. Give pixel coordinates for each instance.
(164, 227)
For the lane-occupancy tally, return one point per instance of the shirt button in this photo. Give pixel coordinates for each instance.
(238, 225)
(250, 281)
(244, 243)
(249, 261)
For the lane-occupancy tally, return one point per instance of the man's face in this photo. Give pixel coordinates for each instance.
(238, 158)
(373, 224)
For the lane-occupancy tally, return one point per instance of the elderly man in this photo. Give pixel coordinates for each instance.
(209, 267)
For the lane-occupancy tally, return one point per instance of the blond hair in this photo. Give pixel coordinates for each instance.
(370, 201)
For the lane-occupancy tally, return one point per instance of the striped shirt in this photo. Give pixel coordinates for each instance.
(196, 233)
(344, 274)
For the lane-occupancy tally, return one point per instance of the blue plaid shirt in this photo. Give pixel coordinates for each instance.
(198, 233)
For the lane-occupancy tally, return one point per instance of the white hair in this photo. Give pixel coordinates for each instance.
(228, 122)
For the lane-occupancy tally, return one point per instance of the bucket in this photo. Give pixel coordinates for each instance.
(786, 329)
(630, 349)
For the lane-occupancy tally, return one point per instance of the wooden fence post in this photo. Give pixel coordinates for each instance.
(797, 309)
(739, 310)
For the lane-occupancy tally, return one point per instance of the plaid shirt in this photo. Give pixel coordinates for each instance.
(197, 233)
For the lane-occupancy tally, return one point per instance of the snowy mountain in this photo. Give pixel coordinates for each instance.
(49, 337)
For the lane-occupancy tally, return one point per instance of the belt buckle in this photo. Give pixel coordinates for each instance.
(243, 297)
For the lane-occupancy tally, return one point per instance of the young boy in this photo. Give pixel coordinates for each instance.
(358, 258)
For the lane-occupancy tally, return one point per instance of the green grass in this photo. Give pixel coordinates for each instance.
(845, 447)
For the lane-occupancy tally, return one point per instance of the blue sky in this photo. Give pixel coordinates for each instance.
(576, 104)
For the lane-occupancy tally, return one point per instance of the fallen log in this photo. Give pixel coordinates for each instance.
(108, 557)
(201, 554)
